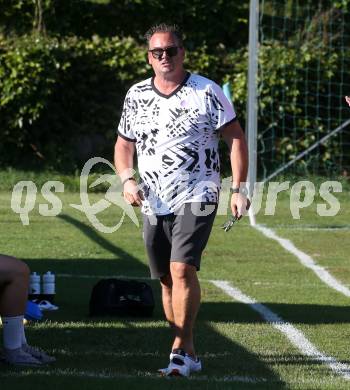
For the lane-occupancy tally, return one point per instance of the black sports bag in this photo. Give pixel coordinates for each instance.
(121, 298)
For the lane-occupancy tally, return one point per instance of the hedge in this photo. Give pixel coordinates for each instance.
(60, 99)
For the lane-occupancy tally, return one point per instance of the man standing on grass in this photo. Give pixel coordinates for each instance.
(173, 121)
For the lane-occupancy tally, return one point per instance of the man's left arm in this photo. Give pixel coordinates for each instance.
(235, 140)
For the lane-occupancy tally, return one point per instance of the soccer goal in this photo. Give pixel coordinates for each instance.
(299, 72)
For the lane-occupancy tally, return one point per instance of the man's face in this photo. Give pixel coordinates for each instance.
(166, 64)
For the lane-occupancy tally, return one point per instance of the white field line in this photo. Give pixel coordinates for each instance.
(305, 260)
(109, 375)
(295, 336)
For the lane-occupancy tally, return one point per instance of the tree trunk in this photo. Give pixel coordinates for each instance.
(39, 25)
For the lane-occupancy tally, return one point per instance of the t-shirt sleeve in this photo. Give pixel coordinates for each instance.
(220, 110)
(125, 128)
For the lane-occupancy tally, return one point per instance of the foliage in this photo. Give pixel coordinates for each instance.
(296, 79)
(58, 97)
(16, 16)
(55, 92)
(60, 100)
(27, 75)
(63, 79)
(216, 22)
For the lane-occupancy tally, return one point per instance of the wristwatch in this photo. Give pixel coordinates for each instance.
(240, 190)
(127, 179)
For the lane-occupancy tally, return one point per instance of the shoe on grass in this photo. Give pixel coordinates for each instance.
(20, 358)
(194, 364)
(178, 365)
(38, 354)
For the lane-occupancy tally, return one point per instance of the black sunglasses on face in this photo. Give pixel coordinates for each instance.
(171, 51)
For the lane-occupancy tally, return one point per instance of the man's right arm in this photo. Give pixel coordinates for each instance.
(124, 161)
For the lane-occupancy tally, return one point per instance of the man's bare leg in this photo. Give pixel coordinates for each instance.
(186, 295)
(14, 282)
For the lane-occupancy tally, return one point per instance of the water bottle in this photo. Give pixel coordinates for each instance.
(49, 286)
(34, 286)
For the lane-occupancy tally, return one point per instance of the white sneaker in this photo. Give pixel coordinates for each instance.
(38, 354)
(18, 357)
(46, 305)
(194, 364)
(178, 365)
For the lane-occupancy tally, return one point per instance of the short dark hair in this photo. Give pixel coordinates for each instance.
(164, 28)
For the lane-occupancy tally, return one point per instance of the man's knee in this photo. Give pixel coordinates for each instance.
(182, 271)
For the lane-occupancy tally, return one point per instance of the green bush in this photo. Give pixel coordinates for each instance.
(58, 98)
(290, 115)
(203, 20)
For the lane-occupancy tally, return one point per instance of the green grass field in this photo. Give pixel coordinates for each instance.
(239, 349)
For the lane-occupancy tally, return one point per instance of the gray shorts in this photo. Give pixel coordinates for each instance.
(179, 237)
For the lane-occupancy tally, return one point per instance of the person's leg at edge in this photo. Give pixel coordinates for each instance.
(14, 281)
(186, 295)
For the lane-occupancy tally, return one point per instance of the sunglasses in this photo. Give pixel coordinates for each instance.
(171, 51)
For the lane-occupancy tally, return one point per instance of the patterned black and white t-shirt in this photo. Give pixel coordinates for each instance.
(176, 139)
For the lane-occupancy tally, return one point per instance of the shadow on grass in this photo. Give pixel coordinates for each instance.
(128, 346)
(289, 312)
(138, 347)
(99, 240)
(125, 265)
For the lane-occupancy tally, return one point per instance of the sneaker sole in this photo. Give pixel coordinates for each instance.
(176, 372)
(21, 365)
(173, 373)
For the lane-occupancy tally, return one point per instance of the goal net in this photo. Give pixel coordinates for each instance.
(303, 76)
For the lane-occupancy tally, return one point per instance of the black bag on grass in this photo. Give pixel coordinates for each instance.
(121, 298)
